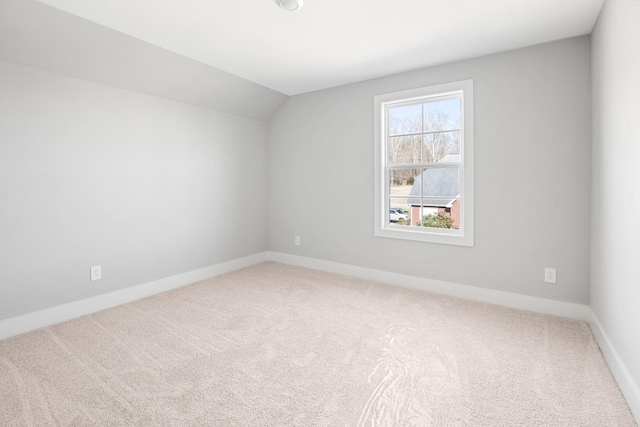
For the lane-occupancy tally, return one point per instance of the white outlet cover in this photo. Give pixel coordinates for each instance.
(96, 273)
(550, 275)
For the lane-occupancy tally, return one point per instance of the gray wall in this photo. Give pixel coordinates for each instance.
(94, 175)
(615, 227)
(532, 174)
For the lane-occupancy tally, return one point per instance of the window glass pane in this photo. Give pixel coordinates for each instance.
(405, 119)
(434, 193)
(404, 149)
(442, 115)
(402, 181)
(441, 147)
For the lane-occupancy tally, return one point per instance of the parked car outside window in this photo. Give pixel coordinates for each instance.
(396, 215)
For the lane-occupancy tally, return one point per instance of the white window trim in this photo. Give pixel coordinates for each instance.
(382, 226)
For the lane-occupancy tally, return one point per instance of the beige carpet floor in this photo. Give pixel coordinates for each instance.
(275, 345)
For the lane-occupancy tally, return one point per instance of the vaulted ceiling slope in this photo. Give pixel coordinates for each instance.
(39, 36)
(334, 42)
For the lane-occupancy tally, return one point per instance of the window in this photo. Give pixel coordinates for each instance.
(424, 164)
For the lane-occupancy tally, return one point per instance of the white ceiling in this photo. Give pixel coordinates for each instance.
(333, 42)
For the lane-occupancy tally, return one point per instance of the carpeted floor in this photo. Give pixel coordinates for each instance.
(275, 345)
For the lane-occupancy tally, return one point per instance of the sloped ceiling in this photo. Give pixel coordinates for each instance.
(40, 36)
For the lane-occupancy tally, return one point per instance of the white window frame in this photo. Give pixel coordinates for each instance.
(383, 228)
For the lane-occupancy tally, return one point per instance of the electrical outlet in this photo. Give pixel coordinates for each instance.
(550, 275)
(96, 273)
(297, 240)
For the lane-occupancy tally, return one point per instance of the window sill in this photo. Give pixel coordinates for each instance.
(451, 238)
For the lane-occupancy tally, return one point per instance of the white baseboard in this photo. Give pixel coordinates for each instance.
(39, 319)
(507, 299)
(627, 385)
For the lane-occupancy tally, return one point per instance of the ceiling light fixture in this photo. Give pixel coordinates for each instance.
(290, 5)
